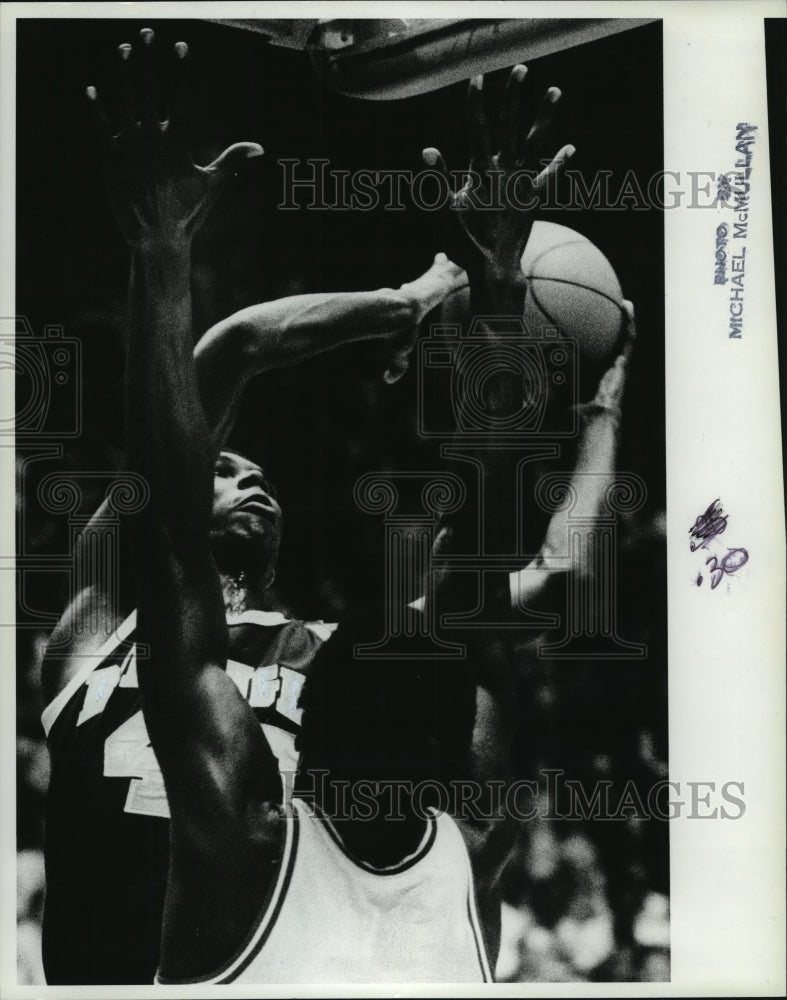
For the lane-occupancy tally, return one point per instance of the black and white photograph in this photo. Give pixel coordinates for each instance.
(380, 519)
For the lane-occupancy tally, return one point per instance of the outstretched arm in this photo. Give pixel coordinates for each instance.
(496, 240)
(498, 286)
(287, 331)
(160, 199)
(538, 585)
(496, 237)
(210, 748)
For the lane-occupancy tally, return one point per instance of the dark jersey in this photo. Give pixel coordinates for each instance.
(107, 830)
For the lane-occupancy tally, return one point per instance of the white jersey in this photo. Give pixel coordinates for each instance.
(333, 919)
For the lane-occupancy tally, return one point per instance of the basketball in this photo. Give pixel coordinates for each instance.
(571, 285)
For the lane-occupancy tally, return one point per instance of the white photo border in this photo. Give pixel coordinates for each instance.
(726, 649)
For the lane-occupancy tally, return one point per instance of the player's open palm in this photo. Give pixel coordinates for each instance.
(155, 188)
(502, 191)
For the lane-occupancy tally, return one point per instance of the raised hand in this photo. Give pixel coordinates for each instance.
(426, 291)
(510, 180)
(429, 289)
(157, 191)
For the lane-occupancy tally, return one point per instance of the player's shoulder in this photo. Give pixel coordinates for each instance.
(103, 657)
(82, 632)
(322, 629)
(267, 637)
(258, 639)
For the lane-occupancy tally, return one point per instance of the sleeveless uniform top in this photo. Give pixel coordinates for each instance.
(332, 919)
(107, 835)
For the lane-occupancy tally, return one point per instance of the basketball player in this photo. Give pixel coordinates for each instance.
(272, 685)
(107, 829)
(255, 894)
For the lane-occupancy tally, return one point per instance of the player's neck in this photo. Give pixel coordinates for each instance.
(381, 841)
(246, 572)
(242, 593)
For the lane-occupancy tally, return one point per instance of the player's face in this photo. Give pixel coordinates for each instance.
(244, 505)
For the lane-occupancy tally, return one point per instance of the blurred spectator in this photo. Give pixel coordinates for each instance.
(30, 885)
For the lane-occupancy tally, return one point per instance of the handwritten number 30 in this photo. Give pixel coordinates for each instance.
(733, 561)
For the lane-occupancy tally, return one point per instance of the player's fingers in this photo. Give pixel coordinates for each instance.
(149, 113)
(554, 167)
(610, 387)
(533, 145)
(631, 324)
(510, 115)
(455, 275)
(227, 163)
(100, 120)
(177, 116)
(219, 173)
(433, 159)
(397, 367)
(129, 109)
(399, 359)
(631, 327)
(479, 136)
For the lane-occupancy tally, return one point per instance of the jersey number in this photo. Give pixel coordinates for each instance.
(128, 753)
